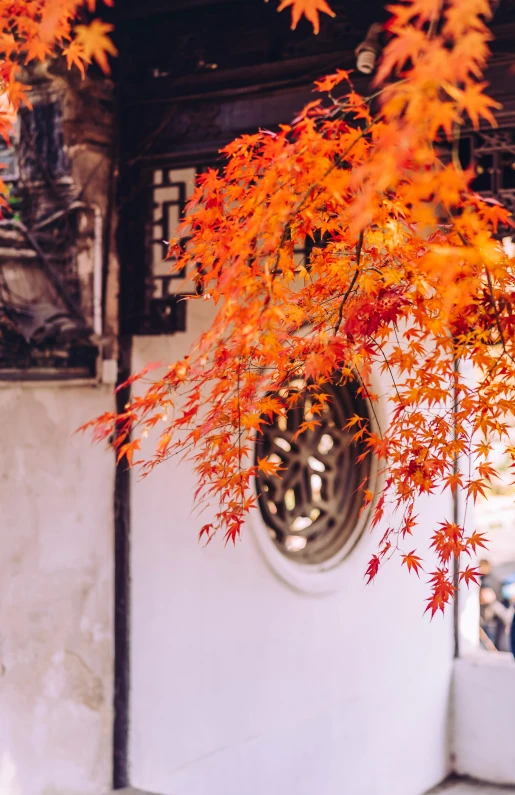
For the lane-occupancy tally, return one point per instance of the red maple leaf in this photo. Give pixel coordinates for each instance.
(412, 561)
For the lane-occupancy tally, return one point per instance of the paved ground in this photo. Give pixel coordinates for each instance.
(129, 791)
(450, 788)
(471, 788)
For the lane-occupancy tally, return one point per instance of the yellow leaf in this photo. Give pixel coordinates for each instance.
(95, 43)
(75, 56)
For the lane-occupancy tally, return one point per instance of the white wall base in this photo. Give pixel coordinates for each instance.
(484, 706)
(56, 586)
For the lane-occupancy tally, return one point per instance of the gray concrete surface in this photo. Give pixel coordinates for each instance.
(470, 788)
(448, 788)
(131, 791)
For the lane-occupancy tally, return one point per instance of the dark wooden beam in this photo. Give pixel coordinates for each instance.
(134, 11)
(246, 81)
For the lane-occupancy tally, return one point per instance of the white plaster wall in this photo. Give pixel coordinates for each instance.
(243, 686)
(56, 562)
(483, 710)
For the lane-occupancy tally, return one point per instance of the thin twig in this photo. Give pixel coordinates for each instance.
(359, 247)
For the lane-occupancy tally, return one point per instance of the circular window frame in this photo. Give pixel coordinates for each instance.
(327, 577)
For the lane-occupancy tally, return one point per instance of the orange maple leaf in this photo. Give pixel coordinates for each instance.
(307, 425)
(268, 467)
(406, 46)
(476, 540)
(412, 561)
(474, 102)
(423, 10)
(470, 574)
(75, 56)
(308, 8)
(37, 49)
(95, 42)
(443, 590)
(128, 450)
(460, 16)
(475, 488)
(330, 81)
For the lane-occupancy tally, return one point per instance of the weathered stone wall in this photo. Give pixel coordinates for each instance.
(56, 494)
(89, 138)
(56, 651)
(65, 171)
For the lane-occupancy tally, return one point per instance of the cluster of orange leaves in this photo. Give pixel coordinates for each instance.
(36, 30)
(406, 276)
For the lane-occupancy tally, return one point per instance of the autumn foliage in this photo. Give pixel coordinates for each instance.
(406, 277)
(307, 8)
(33, 31)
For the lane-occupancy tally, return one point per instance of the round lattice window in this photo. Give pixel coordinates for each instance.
(312, 512)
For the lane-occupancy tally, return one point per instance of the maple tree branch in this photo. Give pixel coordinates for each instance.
(359, 246)
(497, 318)
(366, 100)
(242, 490)
(337, 162)
(386, 361)
(455, 147)
(275, 270)
(491, 289)
(371, 403)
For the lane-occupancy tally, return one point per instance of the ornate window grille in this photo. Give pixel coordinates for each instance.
(163, 310)
(312, 510)
(492, 154)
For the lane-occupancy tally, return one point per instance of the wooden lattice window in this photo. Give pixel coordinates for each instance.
(492, 154)
(164, 311)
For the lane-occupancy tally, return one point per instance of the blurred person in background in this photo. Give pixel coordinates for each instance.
(496, 600)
